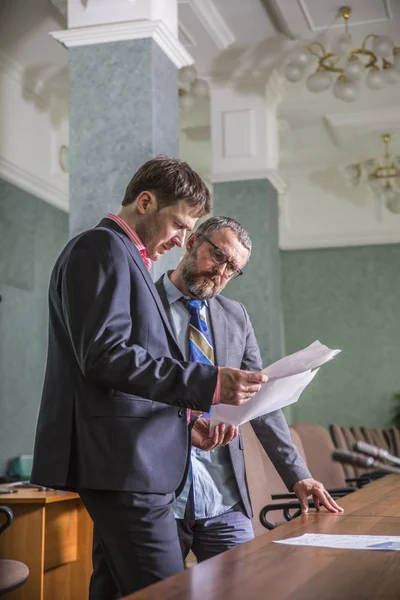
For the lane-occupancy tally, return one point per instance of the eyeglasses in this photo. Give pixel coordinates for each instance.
(220, 258)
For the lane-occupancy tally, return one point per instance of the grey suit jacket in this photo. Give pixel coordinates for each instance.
(235, 345)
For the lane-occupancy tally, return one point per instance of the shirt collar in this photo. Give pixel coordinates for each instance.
(172, 292)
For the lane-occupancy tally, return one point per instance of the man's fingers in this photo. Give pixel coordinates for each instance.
(304, 503)
(230, 434)
(326, 500)
(252, 377)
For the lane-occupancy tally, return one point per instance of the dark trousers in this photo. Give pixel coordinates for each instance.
(208, 537)
(135, 541)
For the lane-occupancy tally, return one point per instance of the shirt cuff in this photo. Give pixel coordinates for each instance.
(217, 393)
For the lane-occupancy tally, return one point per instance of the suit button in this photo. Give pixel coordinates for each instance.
(181, 412)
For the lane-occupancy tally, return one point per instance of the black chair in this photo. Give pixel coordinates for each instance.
(13, 573)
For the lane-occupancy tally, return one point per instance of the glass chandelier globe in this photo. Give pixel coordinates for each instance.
(382, 46)
(345, 90)
(342, 44)
(319, 81)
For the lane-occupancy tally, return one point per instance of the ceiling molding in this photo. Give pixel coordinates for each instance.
(271, 174)
(61, 6)
(277, 18)
(33, 185)
(133, 30)
(340, 126)
(362, 118)
(339, 240)
(215, 25)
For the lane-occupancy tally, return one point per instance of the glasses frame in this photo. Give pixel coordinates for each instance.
(237, 272)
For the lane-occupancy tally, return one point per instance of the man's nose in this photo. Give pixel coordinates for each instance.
(179, 239)
(222, 269)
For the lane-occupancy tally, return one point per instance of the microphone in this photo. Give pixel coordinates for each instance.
(376, 452)
(366, 462)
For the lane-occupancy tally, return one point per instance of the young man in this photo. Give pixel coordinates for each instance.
(214, 510)
(113, 422)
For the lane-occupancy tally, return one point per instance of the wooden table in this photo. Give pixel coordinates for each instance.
(262, 570)
(52, 535)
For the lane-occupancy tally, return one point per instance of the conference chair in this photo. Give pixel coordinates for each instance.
(13, 573)
(394, 440)
(344, 437)
(315, 445)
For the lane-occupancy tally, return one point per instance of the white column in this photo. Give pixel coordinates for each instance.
(101, 21)
(244, 133)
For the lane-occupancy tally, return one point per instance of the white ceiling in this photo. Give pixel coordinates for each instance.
(242, 41)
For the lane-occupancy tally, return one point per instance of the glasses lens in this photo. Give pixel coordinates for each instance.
(219, 256)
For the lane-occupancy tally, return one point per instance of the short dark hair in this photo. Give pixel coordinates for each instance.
(170, 180)
(215, 223)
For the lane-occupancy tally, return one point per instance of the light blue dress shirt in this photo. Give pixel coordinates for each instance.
(214, 485)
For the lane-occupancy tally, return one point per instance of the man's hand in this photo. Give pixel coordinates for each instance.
(239, 386)
(222, 434)
(310, 486)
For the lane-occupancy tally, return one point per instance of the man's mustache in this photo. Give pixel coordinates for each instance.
(213, 276)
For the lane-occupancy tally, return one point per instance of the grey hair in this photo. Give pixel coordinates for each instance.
(216, 223)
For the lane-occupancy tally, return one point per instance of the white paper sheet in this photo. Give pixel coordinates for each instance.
(348, 542)
(288, 377)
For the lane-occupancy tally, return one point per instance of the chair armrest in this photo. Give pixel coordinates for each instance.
(286, 507)
(9, 518)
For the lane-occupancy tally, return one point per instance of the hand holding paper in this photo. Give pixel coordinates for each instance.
(288, 377)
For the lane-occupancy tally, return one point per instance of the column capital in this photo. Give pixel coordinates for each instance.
(102, 21)
(244, 134)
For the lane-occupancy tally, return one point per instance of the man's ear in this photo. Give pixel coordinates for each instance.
(191, 242)
(146, 202)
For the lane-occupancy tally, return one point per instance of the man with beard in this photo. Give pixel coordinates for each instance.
(213, 511)
(113, 419)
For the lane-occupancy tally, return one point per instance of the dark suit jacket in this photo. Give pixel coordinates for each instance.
(235, 345)
(113, 410)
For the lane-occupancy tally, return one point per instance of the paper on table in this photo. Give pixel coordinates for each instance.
(288, 377)
(349, 542)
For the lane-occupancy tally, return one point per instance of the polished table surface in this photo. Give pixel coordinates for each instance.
(261, 569)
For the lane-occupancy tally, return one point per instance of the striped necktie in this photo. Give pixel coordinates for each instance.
(200, 344)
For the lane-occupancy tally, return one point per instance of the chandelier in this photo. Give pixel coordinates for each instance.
(382, 178)
(190, 87)
(343, 67)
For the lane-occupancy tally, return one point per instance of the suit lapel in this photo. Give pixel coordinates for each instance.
(162, 293)
(135, 254)
(219, 328)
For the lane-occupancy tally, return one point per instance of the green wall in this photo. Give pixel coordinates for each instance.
(255, 204)
(32, 233)
(348, 298)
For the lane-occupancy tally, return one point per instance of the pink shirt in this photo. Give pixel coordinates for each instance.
(133, 236)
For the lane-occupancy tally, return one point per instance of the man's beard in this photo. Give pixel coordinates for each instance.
(199, 287)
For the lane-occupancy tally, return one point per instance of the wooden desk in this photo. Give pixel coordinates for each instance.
(261, 569)
(380, 498)
(52, 535)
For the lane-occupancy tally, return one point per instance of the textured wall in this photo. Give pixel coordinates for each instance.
(123, 111)
(254, 204)
(348, 298)
(32, 233)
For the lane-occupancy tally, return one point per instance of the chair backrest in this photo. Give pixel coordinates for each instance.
(394, 435)
(343, 439)
(376, 437)
(256, 475)
(318, 448)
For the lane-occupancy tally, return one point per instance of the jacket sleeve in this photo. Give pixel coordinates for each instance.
(96, 296)
(272, 429)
